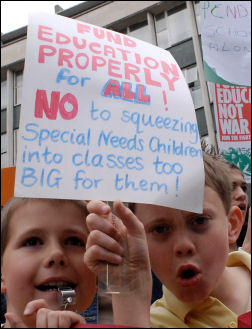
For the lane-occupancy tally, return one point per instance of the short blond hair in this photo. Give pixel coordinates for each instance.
(16, 202)
(217, 177)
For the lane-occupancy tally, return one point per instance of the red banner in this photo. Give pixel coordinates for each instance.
(233, 113)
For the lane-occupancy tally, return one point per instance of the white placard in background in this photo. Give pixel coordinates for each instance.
(226, 41)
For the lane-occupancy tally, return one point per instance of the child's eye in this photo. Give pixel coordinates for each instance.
(160, 229)
(199, 223)
(234, 185)
(31, 242)
(75, 241)
(244, 187)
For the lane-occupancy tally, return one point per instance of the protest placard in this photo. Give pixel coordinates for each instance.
(226, 41)
(105, 116)
(233, 117)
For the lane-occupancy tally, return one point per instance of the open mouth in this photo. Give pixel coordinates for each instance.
(50, 286)
(242, 207)
(188, 275)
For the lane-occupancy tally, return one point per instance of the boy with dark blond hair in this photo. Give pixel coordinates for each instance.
(42, 247)
(203, 285)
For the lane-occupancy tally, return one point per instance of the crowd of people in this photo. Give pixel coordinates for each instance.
(201, 261)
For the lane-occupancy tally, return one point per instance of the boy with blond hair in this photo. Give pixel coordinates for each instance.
(203, 285)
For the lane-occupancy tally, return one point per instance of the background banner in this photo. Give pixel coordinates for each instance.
(226, 41)
(233, 119)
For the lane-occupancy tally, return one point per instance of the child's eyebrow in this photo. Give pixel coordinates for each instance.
(28, 233)
(156, 221)
(77, 231)
(38, 231)
(31, 231)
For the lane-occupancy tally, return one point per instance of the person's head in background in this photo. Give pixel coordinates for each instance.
(239, 195)
(239, 198)
(42, 248)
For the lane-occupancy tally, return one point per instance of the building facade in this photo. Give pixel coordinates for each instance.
(170, 25)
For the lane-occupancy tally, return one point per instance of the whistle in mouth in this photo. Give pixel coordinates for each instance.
(66, 296)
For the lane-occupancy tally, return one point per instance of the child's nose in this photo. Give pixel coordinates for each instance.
(56, 257)
(240, 193)
(184, 247)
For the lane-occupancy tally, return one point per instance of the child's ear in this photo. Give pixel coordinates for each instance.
(3, 286)
(235, 220)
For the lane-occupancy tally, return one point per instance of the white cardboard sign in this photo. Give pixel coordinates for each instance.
(226, 40)
(105, 116)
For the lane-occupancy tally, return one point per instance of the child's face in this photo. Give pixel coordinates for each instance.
(45, 250)
(188, 251)
(239, 191)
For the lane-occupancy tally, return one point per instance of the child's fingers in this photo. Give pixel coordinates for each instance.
(41, 318)
(98, 238)
(132, 223)
(14, 321)
(33, 306)
(70, 318)
(104, 216)
(97, 255)
(57, 319)
(96, 222)
(98, 207)
(101, 247)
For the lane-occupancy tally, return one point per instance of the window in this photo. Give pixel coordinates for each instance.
(140, 31)
(3, 94)
(16, 132)
(4, 154)
(16, 116)
(190, 74)
(197, 97)
(161, 30)
(3, 121)
(191, 77)
(210, 87)
(18, 81)
(4, 160)
(179, 26)
(172, 26)
(198, 16)
(3, 143)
